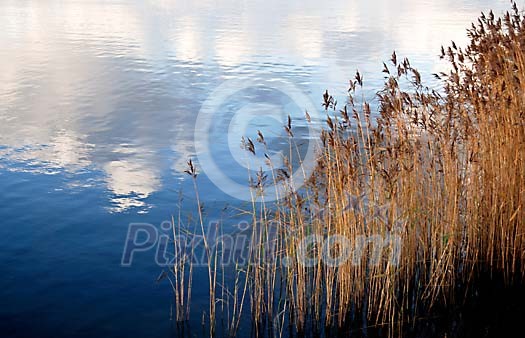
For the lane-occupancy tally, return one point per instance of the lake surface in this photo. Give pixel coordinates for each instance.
(99, 104)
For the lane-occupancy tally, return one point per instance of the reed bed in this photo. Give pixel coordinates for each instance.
(436, 180)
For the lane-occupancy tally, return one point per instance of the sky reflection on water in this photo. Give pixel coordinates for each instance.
(98, 101)
(114, 87)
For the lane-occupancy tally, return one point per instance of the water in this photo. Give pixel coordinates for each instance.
(98, 107)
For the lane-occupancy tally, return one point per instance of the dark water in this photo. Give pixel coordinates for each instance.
(98, 107)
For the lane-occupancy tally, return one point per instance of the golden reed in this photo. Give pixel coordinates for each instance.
(443, 171)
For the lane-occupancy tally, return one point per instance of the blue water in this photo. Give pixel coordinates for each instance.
(98, 108)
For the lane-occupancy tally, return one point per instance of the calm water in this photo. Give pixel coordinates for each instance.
(98, 107)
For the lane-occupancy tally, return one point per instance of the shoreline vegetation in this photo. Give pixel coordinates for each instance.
(444, 170)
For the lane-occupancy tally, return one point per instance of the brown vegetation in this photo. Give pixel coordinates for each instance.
(444, 171)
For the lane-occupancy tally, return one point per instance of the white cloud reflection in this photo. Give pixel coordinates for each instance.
(70, 81)
(131, 182)
(63, 151)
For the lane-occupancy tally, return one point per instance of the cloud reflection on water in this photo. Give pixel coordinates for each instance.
(81, 78)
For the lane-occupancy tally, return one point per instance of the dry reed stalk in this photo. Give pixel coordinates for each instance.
(443, 171)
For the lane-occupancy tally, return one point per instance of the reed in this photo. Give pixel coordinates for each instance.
(443, 172)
